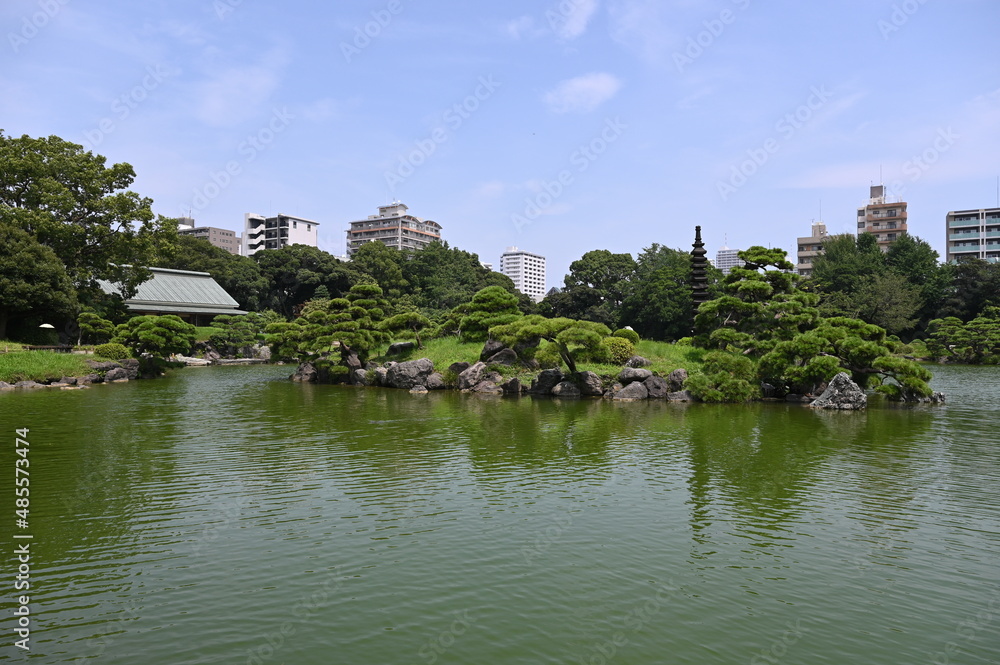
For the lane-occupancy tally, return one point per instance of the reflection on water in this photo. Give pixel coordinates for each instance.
(228, 515)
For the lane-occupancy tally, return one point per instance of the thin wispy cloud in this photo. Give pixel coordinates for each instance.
(234, 94)
(571, 17)
(583, 93)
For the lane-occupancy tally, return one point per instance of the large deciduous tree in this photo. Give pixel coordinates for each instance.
(33, 281)
(294, 273)
(595, 288)
(71, 201)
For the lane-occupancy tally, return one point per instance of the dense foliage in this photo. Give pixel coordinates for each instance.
(157, 336)
(573, 340)
(977, 341)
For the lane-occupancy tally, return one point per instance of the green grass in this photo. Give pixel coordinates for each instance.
(40, 366)
(202, 333)
(7, 345)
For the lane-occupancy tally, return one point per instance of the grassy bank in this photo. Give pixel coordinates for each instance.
(664, 356)
(41, 365)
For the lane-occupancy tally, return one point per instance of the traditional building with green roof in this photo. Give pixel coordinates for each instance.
(193, 296)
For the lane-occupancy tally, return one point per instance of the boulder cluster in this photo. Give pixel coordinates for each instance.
(634, 382)
(102, 372)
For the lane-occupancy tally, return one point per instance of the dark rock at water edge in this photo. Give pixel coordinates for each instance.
(458, 368)
(400, 348)
(305, 373)
(409, 374)
(116, 374)
(471, 376)
(657, 387)
(435, 382)
(566, 389)
(633, 391)
(676, 379)
(512, 387)
(545, 382)
(590, 384)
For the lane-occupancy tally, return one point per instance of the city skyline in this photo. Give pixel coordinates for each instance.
(563, 127)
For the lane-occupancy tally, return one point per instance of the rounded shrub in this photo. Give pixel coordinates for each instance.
(627, 333)
(619, 348)
(112, 351)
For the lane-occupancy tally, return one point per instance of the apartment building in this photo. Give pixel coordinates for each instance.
(885, 219)
(973, 234)
(262, 232)
(222, 238)
(394, 227)
(726, 259)
(527, 270)
(809, 247)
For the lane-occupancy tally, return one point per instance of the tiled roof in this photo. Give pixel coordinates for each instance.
(181, 291)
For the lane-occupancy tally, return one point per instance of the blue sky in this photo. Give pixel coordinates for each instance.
(556, 127)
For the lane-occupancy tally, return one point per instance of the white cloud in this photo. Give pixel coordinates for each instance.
(583, 93)
(570, 18)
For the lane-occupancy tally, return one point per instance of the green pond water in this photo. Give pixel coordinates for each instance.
(227, 515)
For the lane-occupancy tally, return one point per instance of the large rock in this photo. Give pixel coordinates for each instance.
(566, 389)
(88, 379)
(637, 361)
(545, 382)
(131, 365)
(352, 361)
(116, 374)
(680, 396)
(633, 391)
(676, 379)
(99, 366)
(488, 388)
(28, 384)
(305, 373)
(491, 348)
(471, 376)
(359, 377)
(511, 387)
(503, 357)
(409, 374)
(590, 384)
(630, 374)
(5, 386)
(262, 352)
(400, 348)
(841, 393)
(68, 380)
(435, 382)
(657, 387)
(458, 368)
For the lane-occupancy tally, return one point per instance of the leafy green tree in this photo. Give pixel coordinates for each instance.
(158, 336)
(414, 322)
(973, 286)
(886, 300)
(33, 281)
(489, 307)
(846, 261)
(71, 202)
(440, 277)
(238, 333)
(575, 340)
(384, 265)
(658, 300)
(294, 273)
(595, 288)
(724, 377)
(94, 329)
(351, 325)
(760, 306)
(975, 342)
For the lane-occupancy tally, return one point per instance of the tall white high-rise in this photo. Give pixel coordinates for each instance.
(526, 269)
(726, 259)
(276, 232)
